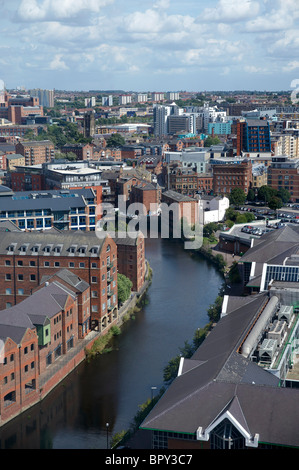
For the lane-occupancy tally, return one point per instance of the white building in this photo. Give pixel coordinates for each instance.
(125, 99)
(172, 95)
(213, 208)
(142, 97)
(195, 158)
(158, 96)
(90, 102)
(107, 100)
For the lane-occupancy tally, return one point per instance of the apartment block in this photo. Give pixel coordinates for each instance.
(61, 209)
(35, 340)
(36, 152)
(283, 173)
(26, 258)
(228, 176)
(253, 136)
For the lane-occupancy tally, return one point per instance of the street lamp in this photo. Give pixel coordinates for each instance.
(153, 388)
(107, 431)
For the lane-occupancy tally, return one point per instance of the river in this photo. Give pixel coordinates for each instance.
(110, 388)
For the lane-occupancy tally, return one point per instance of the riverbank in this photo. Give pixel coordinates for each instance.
(223, 261)
(94, 343)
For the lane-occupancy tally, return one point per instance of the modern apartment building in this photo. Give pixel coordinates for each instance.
(253, 136)
(43, 210)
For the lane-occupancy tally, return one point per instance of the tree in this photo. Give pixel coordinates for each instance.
(124, 286)
(116, 140)
(284, 195)
(275, 203)
(251, 195)
(265, 193)
(209, 141)
(237, 196)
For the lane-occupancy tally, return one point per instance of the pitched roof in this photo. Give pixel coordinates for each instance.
(52, 239)
(218, 382)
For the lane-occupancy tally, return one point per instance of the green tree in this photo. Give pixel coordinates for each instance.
(124, 286)
(284, 195)
(214, 310)
(265, 193)
(237, 196)
(116, 140)
(275, 203)
(251, 195)
(209, 141)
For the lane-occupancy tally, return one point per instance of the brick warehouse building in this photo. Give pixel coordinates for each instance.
(26, 257)
(229, 176)
(34, 341)
(131, 259)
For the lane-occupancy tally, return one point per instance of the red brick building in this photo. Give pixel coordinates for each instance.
(36, 152)
(131, 259)
(147, 194)
(26, 257)
(82, 151)
(283, 173)
(228, 176)
(34, 338)
(187, 207)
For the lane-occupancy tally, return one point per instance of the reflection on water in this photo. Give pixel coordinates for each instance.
(110, 388)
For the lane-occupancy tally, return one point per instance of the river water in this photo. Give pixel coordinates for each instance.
(110, 388)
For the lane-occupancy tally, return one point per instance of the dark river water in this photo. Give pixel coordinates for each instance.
(110, 388)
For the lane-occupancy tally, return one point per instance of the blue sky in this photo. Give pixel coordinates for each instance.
(150, 45)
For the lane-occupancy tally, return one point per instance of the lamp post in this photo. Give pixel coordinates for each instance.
(152, 389)
(107, 431)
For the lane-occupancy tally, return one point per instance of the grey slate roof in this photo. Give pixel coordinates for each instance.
(218, 379)
(34, 310)
(273, 247)
(177, 196)
(70, 278)
(53, 200)
(53, 239)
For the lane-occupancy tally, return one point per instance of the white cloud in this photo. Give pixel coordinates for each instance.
(293, 65)
(32, 10)
(57, 63)
(231, 11)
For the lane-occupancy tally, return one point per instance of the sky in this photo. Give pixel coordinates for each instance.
(150, 45)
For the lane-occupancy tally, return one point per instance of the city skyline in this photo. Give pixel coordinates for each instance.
(158, 45)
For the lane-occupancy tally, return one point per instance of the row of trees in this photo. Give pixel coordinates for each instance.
(60, 134)
(271, 197)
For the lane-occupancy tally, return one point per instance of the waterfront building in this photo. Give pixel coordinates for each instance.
(38, 335)
(214, 208)
(131, 259)
(185, 207)
(234, 392)
(25, 257)
(62, 209)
